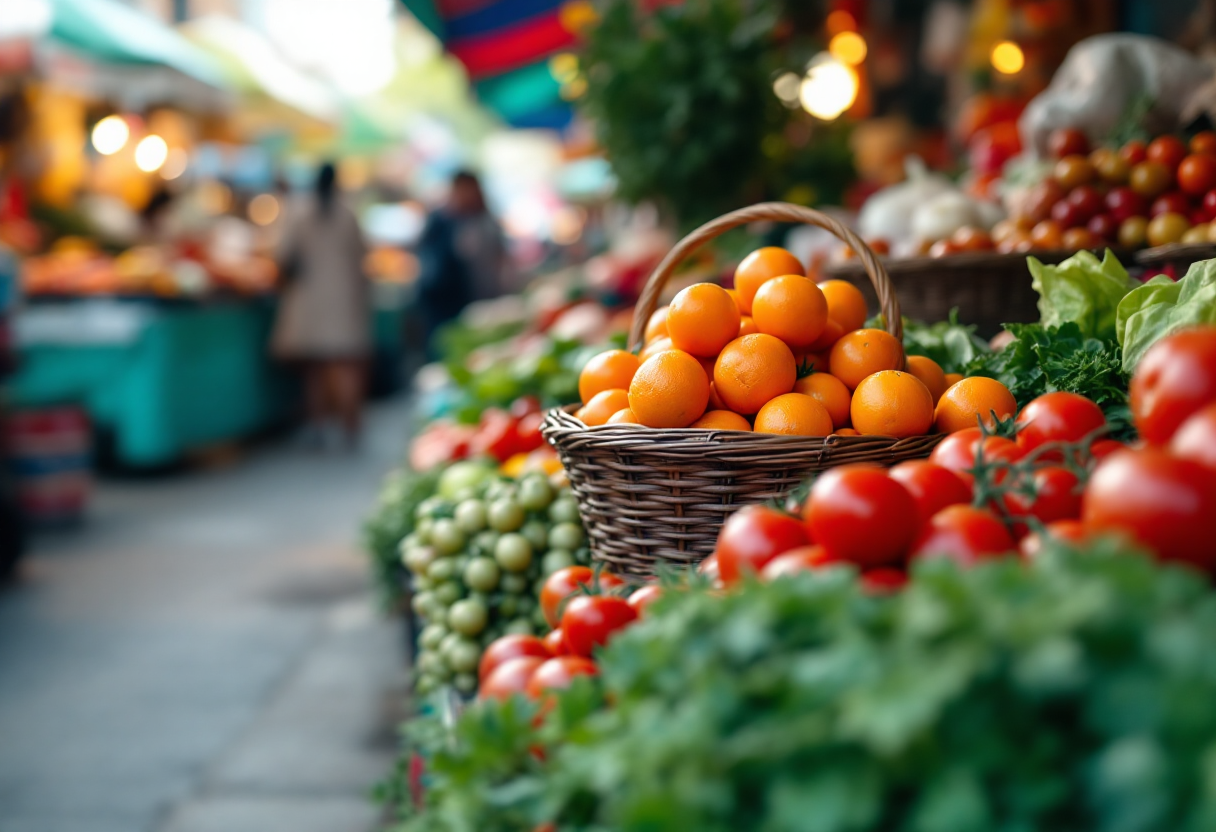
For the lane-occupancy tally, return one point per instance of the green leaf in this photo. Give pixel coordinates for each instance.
(1081, 290)
(1161, 307)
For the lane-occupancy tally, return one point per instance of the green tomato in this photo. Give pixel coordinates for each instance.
(554, 560)
(537, 533)
(564, 510)
(499, 490)
(431, 636)
(520, 626)
(535, 493)
(419, 559)
(506, 515)
(447, 593)
(509, 606)
(463, 655)
(465, 682)
(422, 530)
(513, 552)
(426, 684)
(526, 605)
(430, 508)
(513, 584)
(422, 583)
(484, 542)
(470, 516)
(482, 574)
(566, 536)
(462, 494)
(468, 617)
(441, 570)
(462, 475)
(448, 642)
(446, 537)
(430, 663)
(422, 603)
(410, 541)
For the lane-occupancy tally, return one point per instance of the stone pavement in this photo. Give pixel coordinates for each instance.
(204, 655)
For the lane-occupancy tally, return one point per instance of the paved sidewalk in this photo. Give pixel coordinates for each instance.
(204, 656)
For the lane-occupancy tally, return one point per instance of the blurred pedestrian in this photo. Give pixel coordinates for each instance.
(462, 257)
(323, 322)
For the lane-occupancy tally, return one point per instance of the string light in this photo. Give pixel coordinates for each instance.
(151, 153)
(110, 135)
(787, 87)
(848, 48)
(829, 88)
(1008, 58)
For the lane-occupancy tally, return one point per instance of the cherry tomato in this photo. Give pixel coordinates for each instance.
(496, 436)
(1195, 439)
(753, 536)
(525, 405)
(969, 238)
(566, 582)
(1133, 232)
(1072, 171)
(957, 452)
(1064, 531)
(1047, 234)
(1057, 417)
(527, 431)
(1086, 200)
(1112, 168)
(964, 533)
(1066, 215)
(1103, 448)
(1175, 378)
(861, 515)
(1067, 141)
(943, 248)
(556, 643)
(1057, 496)
(801, 559)
(510, 647)
(1203, 142)
(931, 486)
(558, 673)
(1103, 227)
(644, 597)
(1039, 199)
(1174, 202)
(1075, 239)
(1150, 179)
(1123, 202)
(1209, 203)
(1166, 504)
(590, 620)
(510, 677)
(710, 568)
(1168, 150)
(883, 581)
(1197, 173)
(1134, 152)
(1167, 228)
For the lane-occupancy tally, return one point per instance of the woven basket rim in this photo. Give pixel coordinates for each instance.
(967, 261)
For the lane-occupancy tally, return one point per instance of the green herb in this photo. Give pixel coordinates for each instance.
(1081, 290)
(1162, 306)
(951, 344)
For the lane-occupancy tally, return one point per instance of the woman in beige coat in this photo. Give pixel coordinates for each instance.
(323, 323)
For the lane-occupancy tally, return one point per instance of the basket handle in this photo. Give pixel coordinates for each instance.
(780, 212)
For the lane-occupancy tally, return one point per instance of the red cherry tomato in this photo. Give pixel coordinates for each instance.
(710, 568)
(1086, 200)
(957, 452)
(524, 405)
(1067, 141)
(1123, 202)
(644, 597)
(1175, 378)
(1173, 202)
(558, 673)
(1065, 531)
(1103, 448)
(931, 486)
(1057, 496)
(509, 647)
(802, 559)
(567, 582)
(1134, 152)
(1195, 439)
(965, 534)
(555, 642)
(1197, 173)
(1057, 417)
(753, 536)
(884, 580)
(1167, 150)
(590, 620)
(527, 432)
(510, 677)
(1166, 504)
(861, 515)
(496, 436)
(1203, 142)
(1104, 227)
(1209, 203)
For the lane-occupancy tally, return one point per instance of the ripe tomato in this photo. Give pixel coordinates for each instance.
(1197, 173)
(558, 673)
(1196, 438)
(1065, 531)
(1168, 150)
(1134, 152)
(883, 580)
(1072, 171)
(1203, 142)
(1175, 378)
(753, 536)
(1111, 167)
(1057, 417)
(1057, 496)
(709, 568)
(510, 647)
(957, 452)
(1075, 239)
(1123, 202)
(1167, 504)
(1174, 202)
(644, 597)
(1167, 228)
(1103, 448)
(1047, 234)
(569, 581)
(931, 486)
(1103, 226)
(496, 436)
(802, 559)
(1150, 179)
(590, 620)
(964, 533)
(527, 431)
(510, 677)
(861, 515)
(1067, 141)
(555, 642)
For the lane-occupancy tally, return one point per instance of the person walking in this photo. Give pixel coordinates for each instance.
(323, 323)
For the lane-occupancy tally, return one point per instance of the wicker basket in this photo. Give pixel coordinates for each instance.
(1177, 256)
(659, 496)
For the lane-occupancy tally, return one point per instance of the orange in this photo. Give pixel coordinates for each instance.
(658, 345)
(702, 319)
(622, 417)
(847, 432)
(707, 364)
(964, 402)
(830, 392)
(863, 352)
(753, 369)
(761, 265)
(669, 390)
(603, 406)
(747, 326)
(734, 295)
(605, 371)
(930, 373)
(811, 362)
(952, 379)
(830, 335)
(891, 403)
(795, 414)
(791, 308)
(846, 304)
(721, 420)
(715, 401)
(656, 326)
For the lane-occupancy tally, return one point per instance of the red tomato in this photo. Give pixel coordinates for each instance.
(753, 536)
(524, 405)
(510, 677)
(1086, 200)
(566, 582)
(1203, 142)
(1197, 173)
(1123, 202)
(644, 597)
(710, 568)
(1065, 531)
(1167, 504)
(558, 673)
(509, 647)
(590, 620)
(883, 580)
(802, 559)
(527, 432)
(555, 642)
(963, 533)
(931, 486)
(495, 436)
(1175, 378)
(1209, 203)
(1057, 417)
(1196, 438)
(1067, 141)
(1057, 496)
(861, 515)
(1103, 448)
(1103, 226)
(1168, 150)
(1175, 202)
(1133, 152)
(957, 452)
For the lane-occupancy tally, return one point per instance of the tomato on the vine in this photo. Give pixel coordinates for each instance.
(861, 515)
(710, 568)
(1175, 378)
(555, 643)
(567, 582)
(1057, 417)
(753, 536)
(964, 533)
(1057, 496)
(1064, 531)
(1103, 448)
(1196, 438)
(933, 487)
(510, 647)
(510, 677)
(802, 559)
(590, 620)
(883, 580)
(957, 451)
(644, 597)
(558, 673)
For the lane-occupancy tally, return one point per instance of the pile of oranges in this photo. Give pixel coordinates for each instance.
(780, 354)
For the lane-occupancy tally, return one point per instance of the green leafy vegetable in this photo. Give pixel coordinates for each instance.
(1162, 306)
(951, 344)
(1081, 290)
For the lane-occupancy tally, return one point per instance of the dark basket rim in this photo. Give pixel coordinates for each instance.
(967, 261)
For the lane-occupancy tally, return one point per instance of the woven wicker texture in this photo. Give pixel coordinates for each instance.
(650, 497)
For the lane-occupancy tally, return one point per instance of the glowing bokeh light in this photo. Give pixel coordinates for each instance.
(829, 88)
(1007, 58)
(848, 48)
(263, 209)
(151, 153)
(176, 164)
(110, 135)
